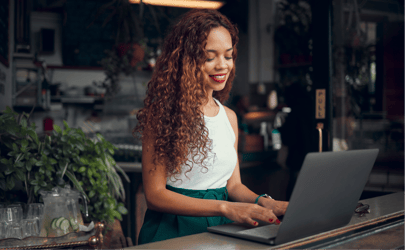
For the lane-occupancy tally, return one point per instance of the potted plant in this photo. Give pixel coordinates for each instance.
(128, 51)
(31, 162)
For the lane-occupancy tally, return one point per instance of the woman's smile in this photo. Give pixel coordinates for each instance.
(219, 78)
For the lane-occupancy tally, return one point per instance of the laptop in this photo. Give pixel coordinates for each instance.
(324, 198)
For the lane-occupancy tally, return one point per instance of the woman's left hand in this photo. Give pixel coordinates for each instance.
(278, 207)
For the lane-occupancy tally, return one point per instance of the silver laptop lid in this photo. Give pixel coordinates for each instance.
(326, 192)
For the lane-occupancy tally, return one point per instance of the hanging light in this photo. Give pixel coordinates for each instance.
(191, 4)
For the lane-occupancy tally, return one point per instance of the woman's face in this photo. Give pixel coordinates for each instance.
(219, 63)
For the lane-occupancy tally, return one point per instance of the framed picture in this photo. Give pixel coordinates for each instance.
(4, 31)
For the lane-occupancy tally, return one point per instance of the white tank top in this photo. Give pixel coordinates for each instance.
(221, 161)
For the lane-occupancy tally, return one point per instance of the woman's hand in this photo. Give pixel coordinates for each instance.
(248, 213)
(278, 207)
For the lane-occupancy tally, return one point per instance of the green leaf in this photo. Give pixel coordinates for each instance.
(33, 135)
(73, 179)
(122, 209)
(4, 161)
(8, 110)
(79, 146)
(117, 215)
(66, 124)
(48, 139)
(12, 153)
(39, 163)
(20, 175)
(100, 137)
(19, 164)
(111, 150)
(34, 182)
(43, 184)
(52, 161)
(36, 188)
(92, 193)
(121, 171)
(82, 170)
(23, 122)
(15, 147)
(89, 172)
(84, 160)
(10, 182)
(9, 171)
(28, 165)
(97, 149)
(57, 129)
(24, 143)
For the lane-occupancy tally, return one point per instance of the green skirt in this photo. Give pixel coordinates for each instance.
(159, 226)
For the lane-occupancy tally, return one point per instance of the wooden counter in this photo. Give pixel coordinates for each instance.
(382, 228)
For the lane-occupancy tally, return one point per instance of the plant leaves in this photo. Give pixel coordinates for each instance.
(36, 188)
(122, 209)
(24, 143)
(73, 179)
(23, 122)
(15, 147)
(9, 171)
(117, 215)
(92, 193)
(52, 161)
(66, 124)
(57, 129)
(10, 182)
(28, 165)
(34, 182)
(33, 135)
(20, 175)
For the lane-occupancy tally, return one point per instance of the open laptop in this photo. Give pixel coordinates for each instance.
(324, 198)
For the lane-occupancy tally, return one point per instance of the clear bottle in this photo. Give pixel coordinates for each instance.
(263, 132)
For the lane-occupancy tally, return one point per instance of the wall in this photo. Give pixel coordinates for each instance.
(261, 40)
(6, 72)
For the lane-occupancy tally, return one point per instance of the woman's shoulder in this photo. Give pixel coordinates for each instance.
(233, 119)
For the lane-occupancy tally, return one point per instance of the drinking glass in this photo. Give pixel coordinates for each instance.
(14, 214)
(23, 208)
(14, 230)
(2, 229)
(30, 227)
(3, 214)
(35, 210)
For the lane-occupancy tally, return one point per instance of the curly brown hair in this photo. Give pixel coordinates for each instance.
(172, 113)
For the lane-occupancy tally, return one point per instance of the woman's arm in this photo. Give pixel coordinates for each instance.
(160, 199)
(238, 191)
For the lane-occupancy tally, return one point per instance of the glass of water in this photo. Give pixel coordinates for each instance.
(30, 227)
(14, 230)
(14, 214)
(2, 229)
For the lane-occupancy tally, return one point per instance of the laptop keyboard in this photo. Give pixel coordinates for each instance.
(268, 232)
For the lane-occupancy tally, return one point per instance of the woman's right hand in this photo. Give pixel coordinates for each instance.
(248, 213)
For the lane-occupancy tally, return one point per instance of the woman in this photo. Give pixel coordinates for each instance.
(189, 139)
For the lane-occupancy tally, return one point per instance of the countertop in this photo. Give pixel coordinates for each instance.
(386, 216)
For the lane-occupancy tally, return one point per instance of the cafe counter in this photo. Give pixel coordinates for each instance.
(382, 228)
